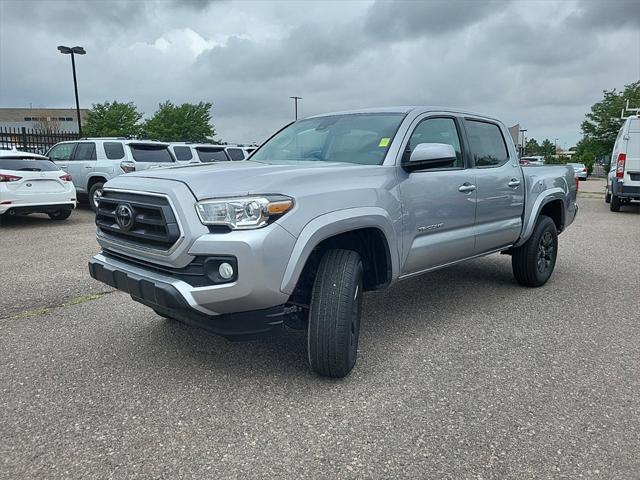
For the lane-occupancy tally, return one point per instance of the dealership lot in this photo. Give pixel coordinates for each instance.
(461, 373)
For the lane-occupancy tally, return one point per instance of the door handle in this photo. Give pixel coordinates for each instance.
(514, 183)
(62, 166)
(466, 188)
(87, 166)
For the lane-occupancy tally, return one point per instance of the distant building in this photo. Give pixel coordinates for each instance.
(51, 119)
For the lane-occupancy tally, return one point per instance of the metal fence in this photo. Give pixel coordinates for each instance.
(31, 139)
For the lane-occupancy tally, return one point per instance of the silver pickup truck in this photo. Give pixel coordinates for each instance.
(329, 207)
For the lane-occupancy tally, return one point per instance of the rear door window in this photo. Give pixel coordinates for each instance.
(85, 151)
(212, 154)
(183, 153)
(61, 152)
(113, 150)
(27, 165)
(487, 144)
(235, 153)
(150, 153)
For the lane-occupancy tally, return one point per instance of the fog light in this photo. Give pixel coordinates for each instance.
(225, 270)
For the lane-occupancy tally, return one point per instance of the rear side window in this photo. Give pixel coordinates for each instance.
(27, 165)
(113, 150)
(61, 152)
(487, 144)
(183, 153)
(151, 153)
(85, 151)
(235, 153)
(209, 154)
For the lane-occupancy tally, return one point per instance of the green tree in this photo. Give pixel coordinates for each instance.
(547, 149)
(112, 119)
(602, 123)
(187, 122)
(532, 147)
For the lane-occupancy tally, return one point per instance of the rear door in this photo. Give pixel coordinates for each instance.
(82, 163)
(500, 183)
(632, 162)
(151, 155)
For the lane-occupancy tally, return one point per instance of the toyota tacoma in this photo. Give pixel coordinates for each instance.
(329, 207)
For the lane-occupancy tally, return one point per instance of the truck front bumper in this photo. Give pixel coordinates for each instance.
(171, 298)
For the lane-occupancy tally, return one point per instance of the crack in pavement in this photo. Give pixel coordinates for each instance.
(45, 310)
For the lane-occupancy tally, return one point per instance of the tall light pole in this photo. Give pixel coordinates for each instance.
(555, 145)
(295, 100)
(74, 51)
(524, 141)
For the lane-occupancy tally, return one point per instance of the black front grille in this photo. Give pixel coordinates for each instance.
(154, 223)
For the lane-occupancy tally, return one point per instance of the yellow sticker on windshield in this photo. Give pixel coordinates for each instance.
(384, 142)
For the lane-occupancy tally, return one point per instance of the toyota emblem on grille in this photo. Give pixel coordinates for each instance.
(124, 217)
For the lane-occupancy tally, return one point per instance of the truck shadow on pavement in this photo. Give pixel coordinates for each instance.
(419, 306)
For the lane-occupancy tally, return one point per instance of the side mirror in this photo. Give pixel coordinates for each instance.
(431, 155)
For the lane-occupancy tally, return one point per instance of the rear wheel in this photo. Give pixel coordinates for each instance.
(60, 214)
(533, 262)
(614, 206)
(334, 317)
(95, 193)
(607, 196)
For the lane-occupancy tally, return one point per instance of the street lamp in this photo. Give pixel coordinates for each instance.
(295, 99)
(523, 131)
(74, 51)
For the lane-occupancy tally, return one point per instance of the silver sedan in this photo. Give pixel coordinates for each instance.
(579, 170)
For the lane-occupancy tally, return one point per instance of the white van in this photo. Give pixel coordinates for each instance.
(623, 181)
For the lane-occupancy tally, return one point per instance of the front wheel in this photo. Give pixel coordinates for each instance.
(334, 317)
(533, 262)
(95, 194)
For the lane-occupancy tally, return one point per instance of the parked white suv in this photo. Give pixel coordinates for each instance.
(93, 161)
(623, 181)
(30, 183)
(186, 152)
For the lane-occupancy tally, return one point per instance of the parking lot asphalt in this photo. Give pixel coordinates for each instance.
(461, 374)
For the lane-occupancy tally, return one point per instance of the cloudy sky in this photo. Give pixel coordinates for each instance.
(539, 63)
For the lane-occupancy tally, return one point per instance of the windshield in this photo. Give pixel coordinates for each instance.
(27, 164)
(351, 138)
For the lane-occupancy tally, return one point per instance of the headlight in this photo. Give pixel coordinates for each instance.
(243, 213)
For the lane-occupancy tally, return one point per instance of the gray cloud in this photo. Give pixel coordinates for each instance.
(538, 63)
(607, 14)
(411, 20)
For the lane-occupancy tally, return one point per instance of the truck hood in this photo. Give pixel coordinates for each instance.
(223, 179)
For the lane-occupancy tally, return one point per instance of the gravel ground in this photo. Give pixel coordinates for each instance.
(462, 374)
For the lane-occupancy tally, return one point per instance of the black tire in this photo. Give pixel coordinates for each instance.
(607, 196)
(94, 192)
(614, 206)
(334, 317)
(60, 214)
(533, 262)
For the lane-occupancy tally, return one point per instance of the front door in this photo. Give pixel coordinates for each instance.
(61, 154)
(82, 164)
(439, 205)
